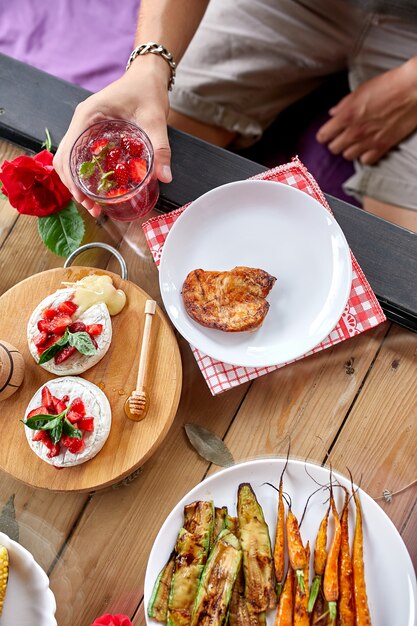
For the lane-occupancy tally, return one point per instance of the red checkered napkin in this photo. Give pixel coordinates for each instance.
(362, 311)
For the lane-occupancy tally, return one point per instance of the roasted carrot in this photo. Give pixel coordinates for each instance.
(279, 548)
(363, 617)
(301, 617)
(296, 550)
(346, 607)
(320, 556)
(319, 611)
(331, 573)
(286, 602)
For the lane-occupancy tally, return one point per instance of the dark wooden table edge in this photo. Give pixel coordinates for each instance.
(31, 100)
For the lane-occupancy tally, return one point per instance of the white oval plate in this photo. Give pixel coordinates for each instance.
(29, 600)
(390, 578)
(279, 229)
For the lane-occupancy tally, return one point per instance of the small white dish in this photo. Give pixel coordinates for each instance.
(29, 601)
(277, 228)
(389, 572)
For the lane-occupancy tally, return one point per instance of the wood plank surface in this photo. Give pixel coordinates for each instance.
(352, 405)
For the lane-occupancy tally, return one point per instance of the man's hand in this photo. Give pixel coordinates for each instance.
(375, 117)
(139, 96)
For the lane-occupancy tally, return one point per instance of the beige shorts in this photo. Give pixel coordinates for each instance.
(250, 59)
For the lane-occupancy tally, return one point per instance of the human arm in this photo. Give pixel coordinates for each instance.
(141, 94)
(375, 117)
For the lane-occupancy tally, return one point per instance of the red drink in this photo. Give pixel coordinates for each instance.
(112, 163)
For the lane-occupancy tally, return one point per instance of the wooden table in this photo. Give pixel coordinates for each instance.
(353, 405)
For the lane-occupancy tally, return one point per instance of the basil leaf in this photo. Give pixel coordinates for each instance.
(62, 232)
(51, 424)
(38, 421)
(82, 341)
(56, 347)
(87, 169)
(56, 432)
(70, 430)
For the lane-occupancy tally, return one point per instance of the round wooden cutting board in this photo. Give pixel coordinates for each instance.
(129, 443)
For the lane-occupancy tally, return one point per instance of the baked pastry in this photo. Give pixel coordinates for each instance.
(231, 301)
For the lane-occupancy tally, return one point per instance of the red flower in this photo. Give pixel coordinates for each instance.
(112, 620)
(32, 185)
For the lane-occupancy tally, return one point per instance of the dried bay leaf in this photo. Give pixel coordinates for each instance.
(208, 445)
(8, 523)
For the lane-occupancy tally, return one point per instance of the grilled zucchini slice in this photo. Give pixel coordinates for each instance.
(191, 552)
(158, 604)
(220, 515)
(254, 538)
(217, 581)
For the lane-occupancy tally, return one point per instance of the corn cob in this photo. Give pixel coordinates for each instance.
(4, 574)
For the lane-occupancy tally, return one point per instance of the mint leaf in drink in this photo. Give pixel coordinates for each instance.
(82, 341)
(87, 169)
(105, 183)
(62, 232)
(70, 430)
(56, 347)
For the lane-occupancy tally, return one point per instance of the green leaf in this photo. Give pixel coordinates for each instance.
(56, 431)
(2, 195)
(105, 184)
(62, 232)
(44, 422)
(209, 445)
(82, 341)
(8, 523)
(87, 169)
(70, 430)
(56, 347)
(47, 144)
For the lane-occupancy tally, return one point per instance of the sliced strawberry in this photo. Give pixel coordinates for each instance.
(47, 399)
(60, 406)
(94, 329)
(65, 399)
(52, 338)
(121, 174)
(64, 354)
(53, 450)
(73, 416)
(86, 423)
(117, 191)
(68, 307)
(137, 169)
(77, 327)
(73, 444)
(77, 405)
(112, 159)
(40, 339)
(97, 147)
(40, 410)
(134, 147)
(40, 435)
(49, 314)
(57, 325)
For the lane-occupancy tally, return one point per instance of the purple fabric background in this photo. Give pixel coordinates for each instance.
(87, 42)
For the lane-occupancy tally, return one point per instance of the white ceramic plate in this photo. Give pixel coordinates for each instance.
(390, 578)
(279, 229)
(29, 600)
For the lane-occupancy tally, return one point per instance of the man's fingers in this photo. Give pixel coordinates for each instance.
(330, 130)
(158, 134)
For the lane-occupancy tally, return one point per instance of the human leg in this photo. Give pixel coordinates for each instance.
(250, 59)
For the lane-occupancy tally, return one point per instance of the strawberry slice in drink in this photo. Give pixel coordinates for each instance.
(98, 146)
(137, 169)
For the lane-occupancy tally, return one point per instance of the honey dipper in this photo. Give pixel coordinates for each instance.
(137, 404)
